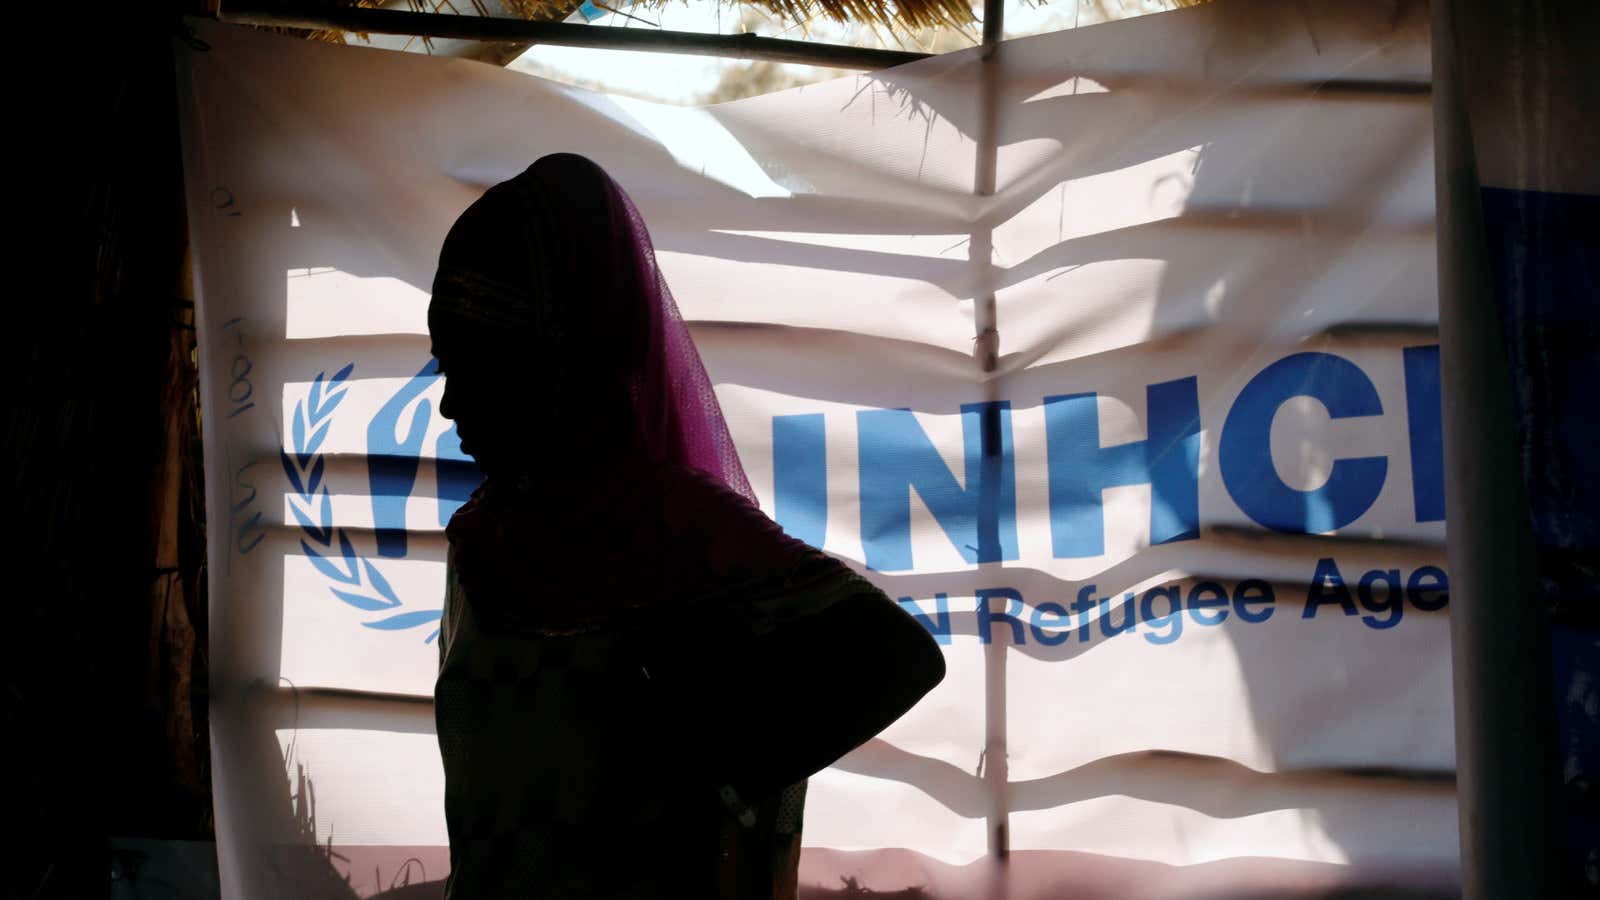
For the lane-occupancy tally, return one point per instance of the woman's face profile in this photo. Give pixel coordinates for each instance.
(539, 324)
(480, 388)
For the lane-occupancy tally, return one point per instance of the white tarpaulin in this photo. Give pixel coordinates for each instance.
(1182, 547)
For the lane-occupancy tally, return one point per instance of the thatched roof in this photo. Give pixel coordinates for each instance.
(901, 17)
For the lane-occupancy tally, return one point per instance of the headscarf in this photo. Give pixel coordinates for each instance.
(557, 261)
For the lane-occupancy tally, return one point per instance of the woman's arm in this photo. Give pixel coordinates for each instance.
(789, 660)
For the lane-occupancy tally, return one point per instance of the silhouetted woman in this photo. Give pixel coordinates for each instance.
(638, 668)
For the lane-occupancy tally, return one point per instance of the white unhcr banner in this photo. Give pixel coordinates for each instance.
(1182, 549)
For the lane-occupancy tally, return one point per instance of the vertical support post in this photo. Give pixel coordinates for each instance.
(1504, 690)
(986, 350)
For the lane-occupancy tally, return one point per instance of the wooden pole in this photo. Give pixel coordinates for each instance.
(986, 349)
(479, 28)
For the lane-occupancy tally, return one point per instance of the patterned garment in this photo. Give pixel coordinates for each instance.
(564, 774)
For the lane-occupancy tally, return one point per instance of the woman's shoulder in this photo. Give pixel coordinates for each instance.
(693, 497)
(687, 483)
(737, 539)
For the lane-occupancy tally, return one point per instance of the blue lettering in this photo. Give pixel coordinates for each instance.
(939, 624)
(1056, 633)
(1430, 595)
(1252, 590)
(1426, 432)
(800, 476)
(1083, 605)
(1393, 598)
(1129, 619)
(1080, 469)
(896, 456)
(1208, 603)
(1172, 618)
(1327, 586)
(1245, 452)
(987, 616)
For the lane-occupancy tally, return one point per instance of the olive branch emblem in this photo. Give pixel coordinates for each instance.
(355, 580)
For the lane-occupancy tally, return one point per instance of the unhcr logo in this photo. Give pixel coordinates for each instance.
(355, 579)
(896, 456)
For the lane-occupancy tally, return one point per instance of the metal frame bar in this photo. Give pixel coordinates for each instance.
(478, 28)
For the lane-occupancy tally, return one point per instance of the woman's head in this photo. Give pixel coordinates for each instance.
(557, 336)
(540, 320)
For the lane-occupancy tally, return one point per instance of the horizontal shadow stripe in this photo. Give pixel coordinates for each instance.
(1213, 786)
